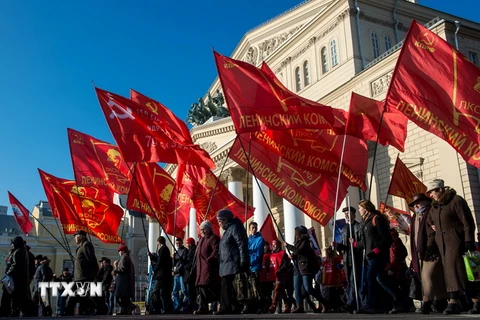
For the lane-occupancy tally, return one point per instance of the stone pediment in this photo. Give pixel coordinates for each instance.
(263, 40)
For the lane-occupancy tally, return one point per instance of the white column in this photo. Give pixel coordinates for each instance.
(192, 225)
(153, 233)
(260, 202)
(236, 188)
(235, 176)
(292, 218)
(167, 242)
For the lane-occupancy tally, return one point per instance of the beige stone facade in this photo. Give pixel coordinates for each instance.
(325, 49)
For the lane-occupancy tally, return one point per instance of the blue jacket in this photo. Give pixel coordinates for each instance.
(255, 251)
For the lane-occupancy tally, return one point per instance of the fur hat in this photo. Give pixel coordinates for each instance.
(206, 224)
(435, 184)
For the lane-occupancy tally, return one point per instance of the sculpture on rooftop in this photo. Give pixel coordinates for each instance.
(201, 111)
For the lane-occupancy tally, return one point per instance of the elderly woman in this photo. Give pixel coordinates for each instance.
(125, 281)
(207, 280)
(452, 230)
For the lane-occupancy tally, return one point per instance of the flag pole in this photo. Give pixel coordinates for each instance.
(64, 237)
(354, 270)
(48, 231)
(246, 196)
(375, 152)
(338, 185)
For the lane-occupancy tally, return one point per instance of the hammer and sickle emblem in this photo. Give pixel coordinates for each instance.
(126, 112)
(428, 40)
(152, 106)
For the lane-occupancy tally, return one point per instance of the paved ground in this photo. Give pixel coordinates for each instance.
(286, 316)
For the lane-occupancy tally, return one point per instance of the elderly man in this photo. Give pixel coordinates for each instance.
(346, 248)
(105, 276)
(86, 269)
(233, 259)
(453, 231)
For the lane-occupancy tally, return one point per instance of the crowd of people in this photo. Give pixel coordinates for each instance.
(365, 272)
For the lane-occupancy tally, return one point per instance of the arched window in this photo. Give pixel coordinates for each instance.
(298, 79)
(375, 48)
(306, 74)
(324, 60)
(388, 43)
(333, 52)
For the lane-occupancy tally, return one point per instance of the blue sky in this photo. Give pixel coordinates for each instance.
(50, 51)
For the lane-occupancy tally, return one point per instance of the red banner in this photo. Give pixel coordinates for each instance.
(364, 121)
(21, 214)
(153, 192)
(171, 124)
(142, 136)
(258, 101)
(199, 185)
(79, 209)
(312, 193)
(268, 230)
(404, 183)
(438, 88)
(98, 164)
(319, 151)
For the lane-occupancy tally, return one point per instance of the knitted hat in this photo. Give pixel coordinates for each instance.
(122, 248)
(302, 229)
(206, 224)
(225, 214)
(191, 241)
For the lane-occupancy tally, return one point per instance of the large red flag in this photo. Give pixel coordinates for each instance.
(404, 183)
(166, 118)
(79, 209)
(319, 151)
(154, 193)
(312, 193)
(142, 136)
(199, 185)
(268, 230)
(364, 121)
(258, 101)
(98, 164)
(21, 214)
(438, 88)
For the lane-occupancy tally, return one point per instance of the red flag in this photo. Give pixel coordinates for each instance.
(79, 209)
(258, 101)
(438, 88)
(397, 218)
(312, 193)
(142, 136)
(198, 185)
(319, 151)
(154, 193)
(166, 118)
(98, 164)
(404, 183)
(268, 231)
(364, 120)
(21, 214)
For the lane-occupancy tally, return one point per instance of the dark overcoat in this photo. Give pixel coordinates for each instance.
(125, 277)
(207, 261)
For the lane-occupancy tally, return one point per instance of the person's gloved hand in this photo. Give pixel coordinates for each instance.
(470, 246)
(431, 253)
(373, 253)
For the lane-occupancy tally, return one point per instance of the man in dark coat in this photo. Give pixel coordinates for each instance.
(234, 258)
(125, 282)
(67, 277)
(346, 248)
(207, 280)
(453, 233)
(86, 269)
(162, 273)
(44, 274)
(190, 273)
(17, 268)
(179, 260)
(106, 277)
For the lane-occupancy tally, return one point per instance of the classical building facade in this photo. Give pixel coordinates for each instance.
(323, 50)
